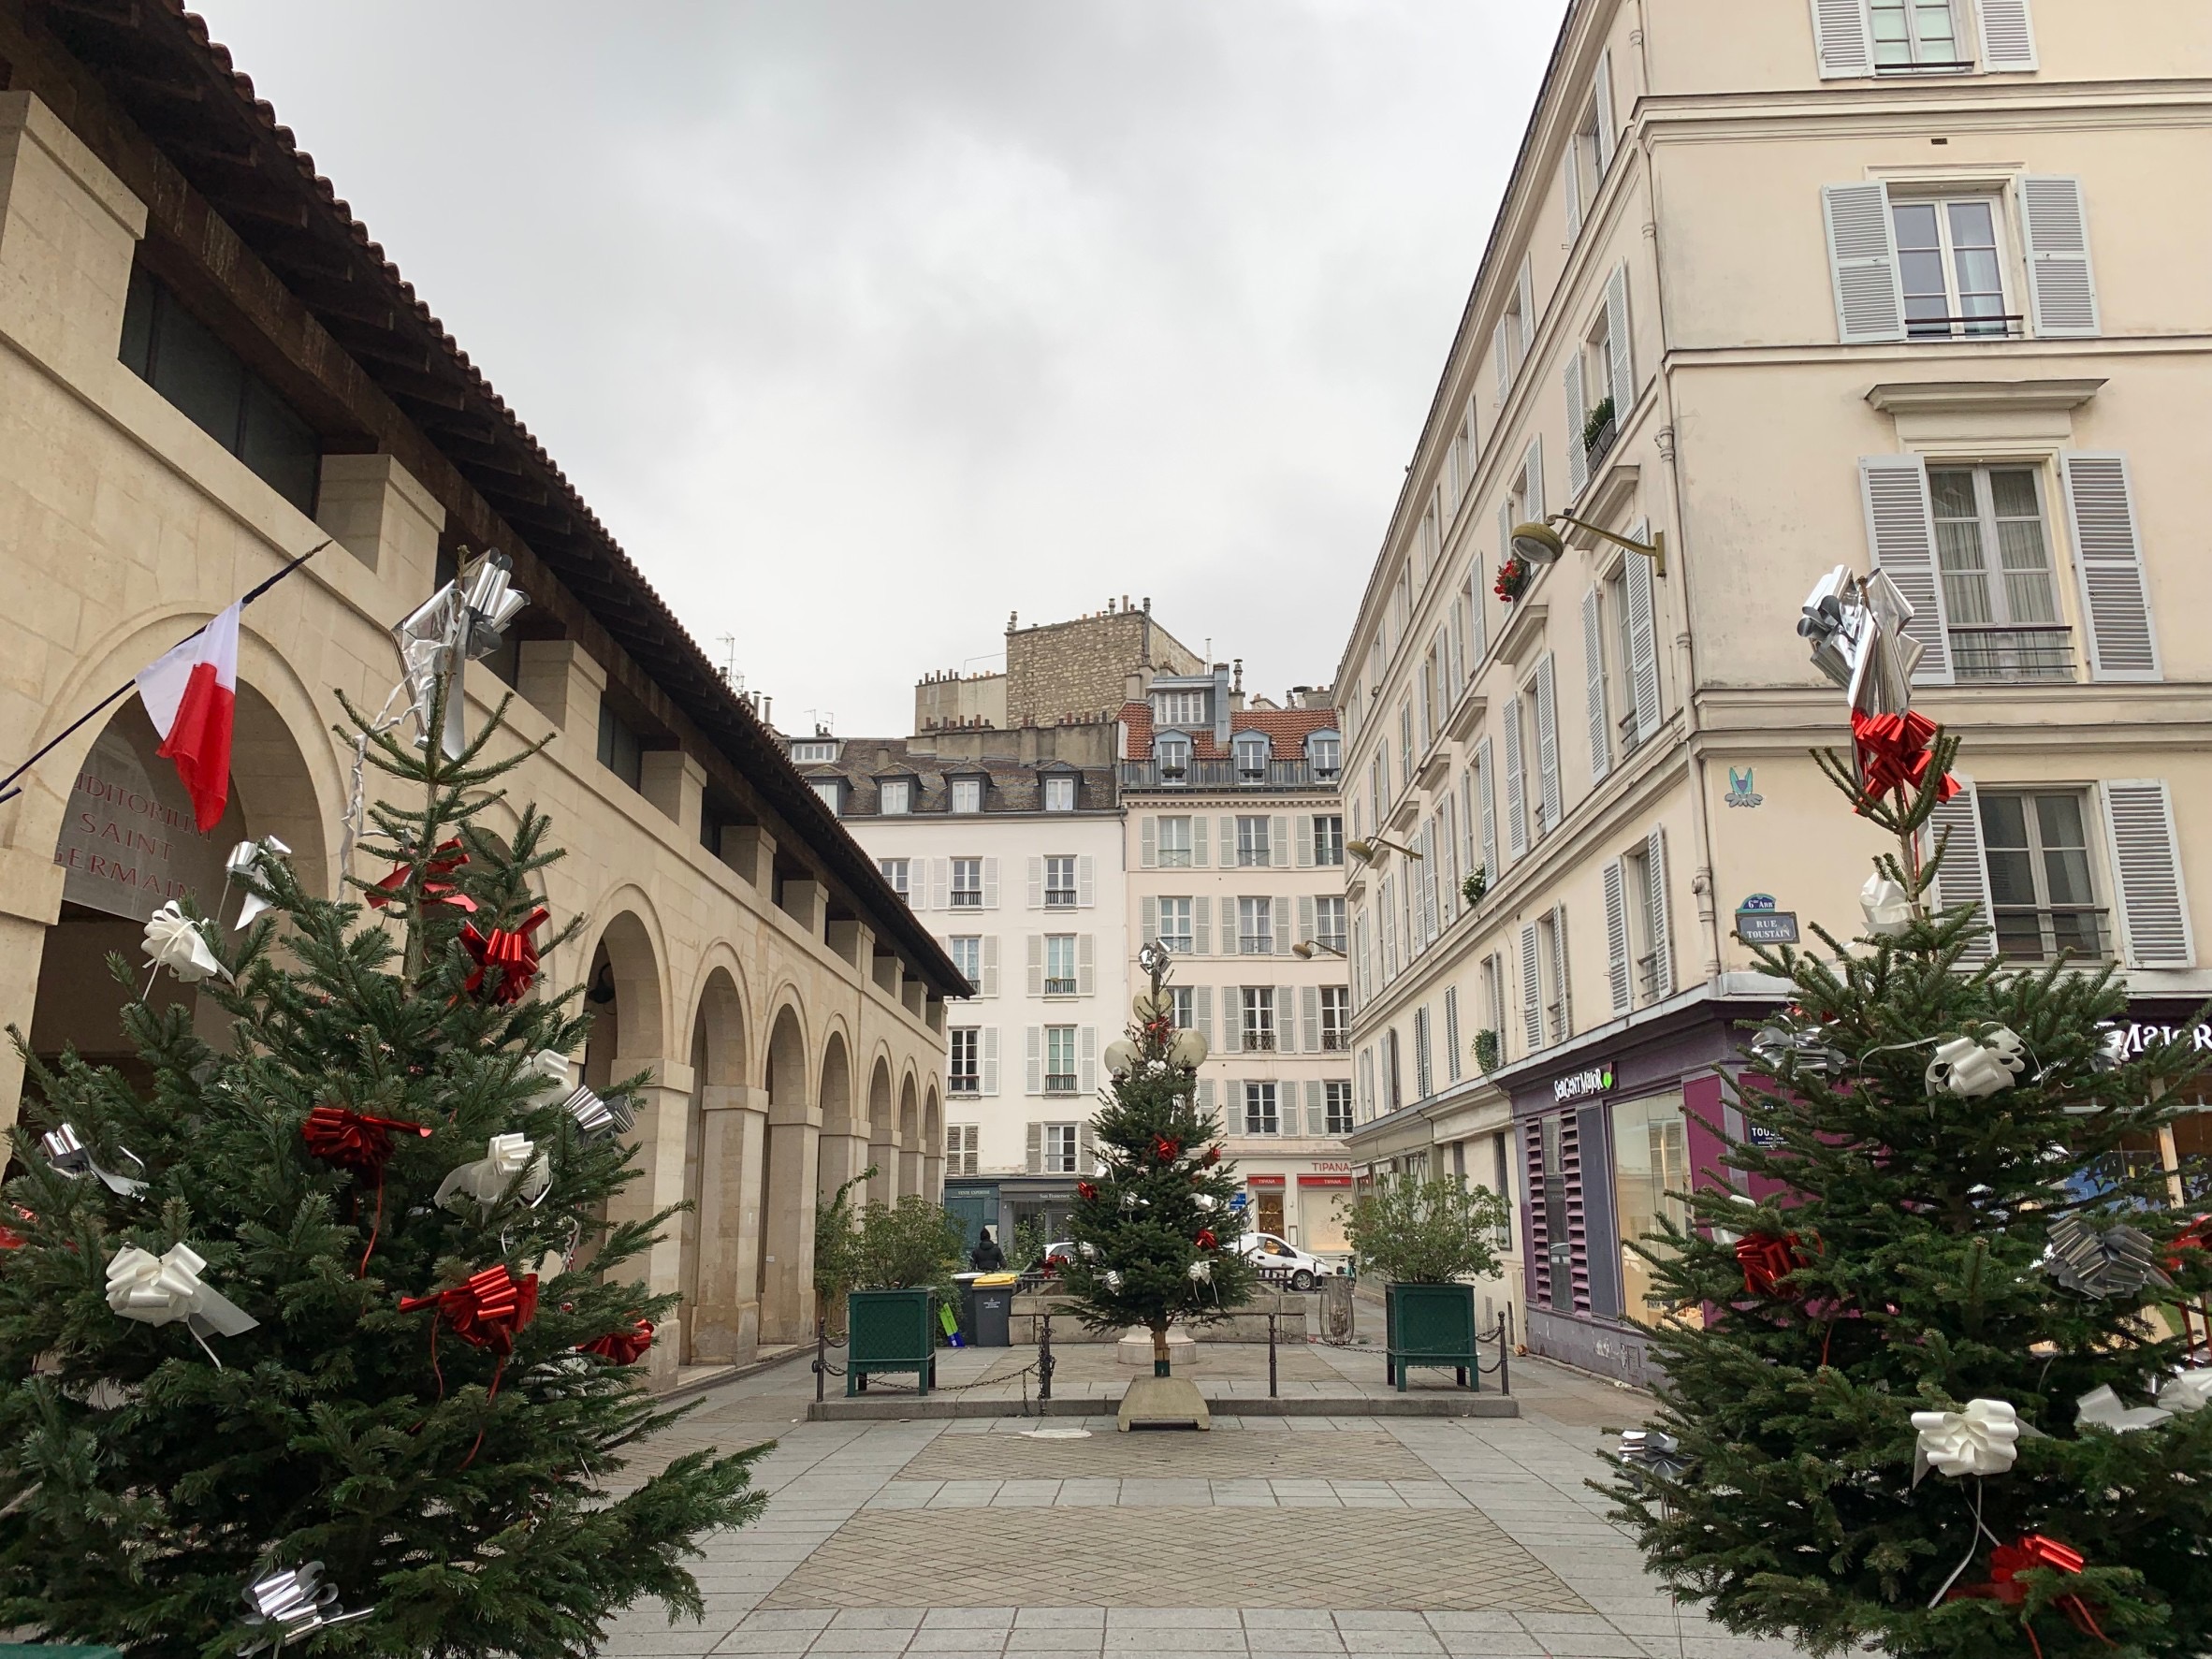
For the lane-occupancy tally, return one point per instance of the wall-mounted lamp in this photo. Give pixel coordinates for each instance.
(1366, 851)
(1305, 951)
(1539, 543)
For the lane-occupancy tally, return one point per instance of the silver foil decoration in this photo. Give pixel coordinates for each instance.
(241, 862)
(2116, 1260)
(596, 1116)
(1855, 627)
(291, 1604)
(1653, 1452)
(464, 620)
(1796, 1050)
(72, 1157)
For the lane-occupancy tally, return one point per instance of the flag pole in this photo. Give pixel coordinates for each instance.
(9, 790)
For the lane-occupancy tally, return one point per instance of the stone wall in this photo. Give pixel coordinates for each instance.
(1082, 667)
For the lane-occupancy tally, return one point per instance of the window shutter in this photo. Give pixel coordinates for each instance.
(1578, 456)
(1149, 840)
(1429, 909)
(2101, 516)
(1963, 877)
(1150, 923)
(938, 877)
(1037, 883)
(1087, 964)
(1843, 38)
(1900, 530)
(1309, 1019)
(1643, 639)
(1524, 293)
(1086, 1075)
(990, 883)
(1033, 1144)
(1205, 1096)
(1451, 1032)
(1862, 262)
(1501, 351)
(1317, 1108)
(1489, 813)
(1033, 1053)
(1287, 1018)
(1201, 1012)
(1278, 841)
(987, 1044)
(1281, 930)
(1662, 932)
(1617, 963)
(1593, 662)
(1516, 784)
(1547, 741)
(990, 964)
(1198, 841)
(1532, 992)
(1305, 841)
(2061, 280)
(1478, 616)
(1087, 881)
(1087, 1156)
(1561, 981)
(1504, 532)
(1229, 853)
(1036, 963)
(917, 895)
(1609, 136)
(2008, 38)
(2147, 868)
(1305, 918)
(1571, 181)
(1533, 470)
(1201, 927)
(1620, 348)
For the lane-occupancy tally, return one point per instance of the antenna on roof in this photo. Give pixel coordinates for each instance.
(731, 678)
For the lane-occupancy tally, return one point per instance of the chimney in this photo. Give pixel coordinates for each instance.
(1148, 604)
(1238, 684)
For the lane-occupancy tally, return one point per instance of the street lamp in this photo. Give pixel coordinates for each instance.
(1305, 951)
(1364, 850)
(1539, 543)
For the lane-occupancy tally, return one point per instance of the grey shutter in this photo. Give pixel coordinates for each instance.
(1531, 991)
(1148, 835)
(1562, 979)
(2061, 280)
(1571, 181)
(1504, 530)
(1086, 1147)
(1516, 785)
(1281, 930)
(1643, 639)
(1451, 1032)
(1578, 456)
(990, 950)
(1660, 920)
(1547, 741)
(1862, 262)
(1317, 1108)
(1033, 1145)
(1087, 964)
(1233, 930)
(1033, 1055)
(1205, 1096)
(1900, 530)
(1201, 927)
(938, 878)
(1616, 953)
(1305, 918)
(1594, 664)
(917, 884)
(1963, 877)
(1620, 348)
(1502, 355)
(1306, 840)
(1533, 470)
(1490, 814)
(1601, 1248)
(1201, 1012)
(990, 883)
(1278, 841)
(1287, 1018)
(1087, 1060)
(1230, 852)
(1524, 293)
(1037, 883)
(1609, 136)
(2101, 516)
(2147, 868)
(1198, 840)
(1036, 963)
(1432, 920)
(1151, 922)
(1843, 40)
(1478, 620)
(2008, 38)
(987, 1043)
(1309, 1019)
(1087, 881)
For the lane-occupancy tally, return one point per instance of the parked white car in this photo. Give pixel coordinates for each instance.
(1268, 1251)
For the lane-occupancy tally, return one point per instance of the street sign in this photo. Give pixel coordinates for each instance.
(1767, 928)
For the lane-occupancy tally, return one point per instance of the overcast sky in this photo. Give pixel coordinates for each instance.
(862, 325)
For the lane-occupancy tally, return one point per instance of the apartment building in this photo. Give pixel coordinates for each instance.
(1772, 289)
(1235, 845)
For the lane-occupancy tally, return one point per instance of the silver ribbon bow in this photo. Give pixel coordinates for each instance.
(240, 863)
(505, 1166)
(1794, 1050)
(174, 941)
(595, 1116)
(293, 1603)
(1857, 628)
(2115, 1261)
(163, 1289)
(72, 1157)
(2101, 1407)
(465, 619)
(1653, 1452)
(2189, 1391)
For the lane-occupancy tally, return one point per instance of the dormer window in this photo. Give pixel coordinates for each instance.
(1324, 754)
(1172, 750)
(1180, 708)
(831, 793)
(894, 796)
(967, 794)
(1251, 755)
(802, 754)
(1059, 793)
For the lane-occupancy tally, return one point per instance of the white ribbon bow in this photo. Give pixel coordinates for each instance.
(2101, 1407)
(241, 864)
(1974, 1068)
(162, 1290)
(174, 941)
(1887, 908)
(2189, 1391)
(507, 1164)
(1979, 1440)
(551, 1064)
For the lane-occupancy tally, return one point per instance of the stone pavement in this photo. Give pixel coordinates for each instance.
(1270, 1535)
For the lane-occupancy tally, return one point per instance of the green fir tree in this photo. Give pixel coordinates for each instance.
(1922, 1245)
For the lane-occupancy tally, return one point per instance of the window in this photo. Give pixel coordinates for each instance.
(1173, 751)
(1058, 1146)
(894, 796)
(1059, 883)
(1916, 35)
(1256, 1004)
(1252, 847)
(1998, 598)
(966, 951)
(967, 794)
(802, 754)
(1059, 793)
(1329, 921)
(170, 350)
(1180, 1007)
(1256, 934)
(829, 792)
(965, 1071)
(899, 872)
(1642, 919)
(1338, 1107)
(1059, 965)
(1601, 417)
(1180, 708)
(1174, 844)
(1251, 756)
(967, 883)
(1324, 754)
(1329, 839)
(1059, 1067)
(1551, 942)
(1951, 269)
(1650, 1163)
(1336, 1018)
(1405, 746)
(961, 1143)
(1260, 1116)
(1175, 926)
(621, 752)
(2036, 847)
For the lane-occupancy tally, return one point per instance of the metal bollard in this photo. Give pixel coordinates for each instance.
(1044, 1357)
(1270, 1356)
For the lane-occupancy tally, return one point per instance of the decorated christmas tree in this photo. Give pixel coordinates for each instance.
(1929, 1383)
(318, 1334)
(1155, 1239)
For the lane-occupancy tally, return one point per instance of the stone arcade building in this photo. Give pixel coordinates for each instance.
(206, 366)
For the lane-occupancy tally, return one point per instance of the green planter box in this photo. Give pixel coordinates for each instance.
(890, 1331)
(1429, 1325)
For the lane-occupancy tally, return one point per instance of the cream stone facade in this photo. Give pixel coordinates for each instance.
(738, 945)
(1790, 287)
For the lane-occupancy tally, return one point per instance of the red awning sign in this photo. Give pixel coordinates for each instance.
(1324, 1181)
(1263, 1181)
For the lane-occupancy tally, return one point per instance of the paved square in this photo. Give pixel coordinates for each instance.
(1229, 1456)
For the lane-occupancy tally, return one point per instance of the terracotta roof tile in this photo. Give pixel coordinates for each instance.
(1286, 728)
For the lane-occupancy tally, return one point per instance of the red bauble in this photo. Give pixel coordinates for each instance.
(1085, 1191)
(1206, 1240)
(1167, 1148)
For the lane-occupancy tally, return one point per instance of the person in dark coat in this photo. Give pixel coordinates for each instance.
(987, 1257)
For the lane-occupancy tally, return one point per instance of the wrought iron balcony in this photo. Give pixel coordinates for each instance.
(1996, 326)
(1225, 774)
(1600, 444)
(1259, 1043)
(2006, 656)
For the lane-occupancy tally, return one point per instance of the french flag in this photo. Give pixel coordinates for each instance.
(191, 695)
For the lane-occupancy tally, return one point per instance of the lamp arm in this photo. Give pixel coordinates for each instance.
(1655, 549)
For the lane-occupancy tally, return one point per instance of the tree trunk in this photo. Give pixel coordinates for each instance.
(1159, 1350)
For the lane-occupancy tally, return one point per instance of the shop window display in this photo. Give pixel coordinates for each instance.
(1650, 1162)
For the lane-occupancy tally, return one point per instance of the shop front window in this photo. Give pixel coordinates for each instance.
(1651, 1164)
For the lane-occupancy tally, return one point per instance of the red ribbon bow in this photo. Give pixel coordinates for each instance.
(485, 1310)
(354, 1141)
(2034, 1550)
(1893, 753)
(621, 1347)
(1765, 1259)
(1212, 1157)
(1085, 1191)
(12, 1240)
(436, 890)
(2197, 1235)
(1167, 1148)
(513, 952)
(1206, 1240)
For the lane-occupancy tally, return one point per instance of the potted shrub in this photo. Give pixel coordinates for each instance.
(1425, 1238)
(836, 1256)
(903, 1260)
(1593, 428)
(1475, 886)
(1513, 578)
(1487, 1051)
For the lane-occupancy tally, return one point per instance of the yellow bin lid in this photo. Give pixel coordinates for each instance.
(996, 1281)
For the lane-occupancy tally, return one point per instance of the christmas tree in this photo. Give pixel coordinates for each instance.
(319, 1334)
(1156, 1238)
(1927, 1383)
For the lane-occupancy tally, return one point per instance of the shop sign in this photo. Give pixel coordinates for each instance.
(1324, 1181)
(2140, 1037)
(129, 843)
(1332, 1166)
(1576, 1085)
(1263, 1180)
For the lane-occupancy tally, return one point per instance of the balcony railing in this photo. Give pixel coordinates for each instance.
(966, 1082)
(2038, 933)
(1334, 1043)
(1255, 944)
(1997, 325)
(1060, 1083)
(1992, 656)
(1259, 1043)
(1218, 774)
(1060, 987)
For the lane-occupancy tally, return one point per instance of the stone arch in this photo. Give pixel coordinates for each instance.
(909, 1137)
(625, 988)
(842, 1144)
(786, 1266)
(883, 1151)
(933, 1143)
(722, 1152)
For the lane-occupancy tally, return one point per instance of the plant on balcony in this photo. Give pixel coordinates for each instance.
(1513, 578)
(1476, 884)
(1488, 1051)
(1596, 422)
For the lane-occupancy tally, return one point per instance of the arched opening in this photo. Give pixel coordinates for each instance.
(624, 998)
(842, 1147)
(933, 1145)
(722, 1150)
(882, 1153)
(909, 1138)
(786, 1271)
